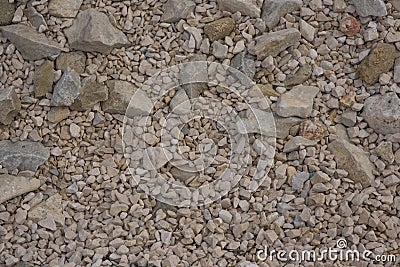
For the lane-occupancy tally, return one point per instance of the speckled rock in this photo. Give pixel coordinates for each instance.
(10, 105)
(219, 29)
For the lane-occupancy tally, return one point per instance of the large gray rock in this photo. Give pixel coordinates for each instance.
(23, 155)
(92, 31)
(175, 10)
(64, 9)
(90, 94)
(67, 89)
(13, 186)
(366, 8)
(244, 64)
(273, 10)
(271, 44)
(31, 44)
(120, 97)
(44, 77)
(298, 102)
(10, 105)
(74, 60)
(295, 143)
(383, 113)
(245, 7)
(353, 160)
(7, 11)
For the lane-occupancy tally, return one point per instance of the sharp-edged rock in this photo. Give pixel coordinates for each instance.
(383, 113)
(295, 143)
(90, 94)
(245, 7)
(92, 31)
(353, 160)
(273, 10)
(194, 76)
(10, 105)
(13, 186)
(298, 102)
(50, 208)
(24, 155)
(44, 77)
(175, 10)
(119, 96)
(219, 29)
(7, 11)
(380, 60)
(244, 64)
(155, 157)
(301, 76)
(366, 8)
(74, 60)
(35, 18)
(31, 44)
(271, 44)
(64, 9)
(67, 89)
(180, 103)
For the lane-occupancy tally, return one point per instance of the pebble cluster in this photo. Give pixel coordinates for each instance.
(328, 69)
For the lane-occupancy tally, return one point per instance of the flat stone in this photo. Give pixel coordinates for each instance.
(90, 94)
(23, 155)
(44, 77)
(298, 102)
(349, 118)
(385, 151)
(10, 105)
(301, 76)
(175, 10)
(311, 130)
(194, 76)
(307, 31)
(226, 216)
(7, 11)
(245, 7)
(353, 160)
(273, 10)
(13, 186)
(64, 9)
(382, 113)
(219, 50)
(67, 89)
(396, 71)
(366, 8)
(48, 223)
(51, 208)
(73, 60)
(257, 121)
(35, 18)
(180, 103)
(380, 60)
(219, 29)
(57, 114)
(299, 179)
(92, 31)
(295, 143)
(271, 44)
(31, 44)
(283, 125)
(244, 64)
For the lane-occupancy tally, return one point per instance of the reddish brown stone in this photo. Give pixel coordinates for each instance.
(349, 26)
(311, 130)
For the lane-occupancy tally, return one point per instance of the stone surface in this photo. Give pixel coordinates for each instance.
(274, 10)
(13, 186)
(295, 143)
(74, 60)
(299, 179)
(119, 96)
(57, 114)
(396, 71)
(23, 155)
(219, 29)
(385, 151)
(380, 60)
(301, 76)
(271, 44)
(194, 75)
(307, 31)
(35, 18)
(50, 208)
(244, 64)
(155, 157)
(175, 10)
(366, 8)
(92, 31)
(283, 125)
(353, 160)
(257, 121)
(10, 105)
(298, 102)
(245, 7)
(67, 89)
(180, 103)
(31, 44)
(44, 77)
(64, 9)
(382, 113)
(7, 11)
(311, 130)
(90, 94)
